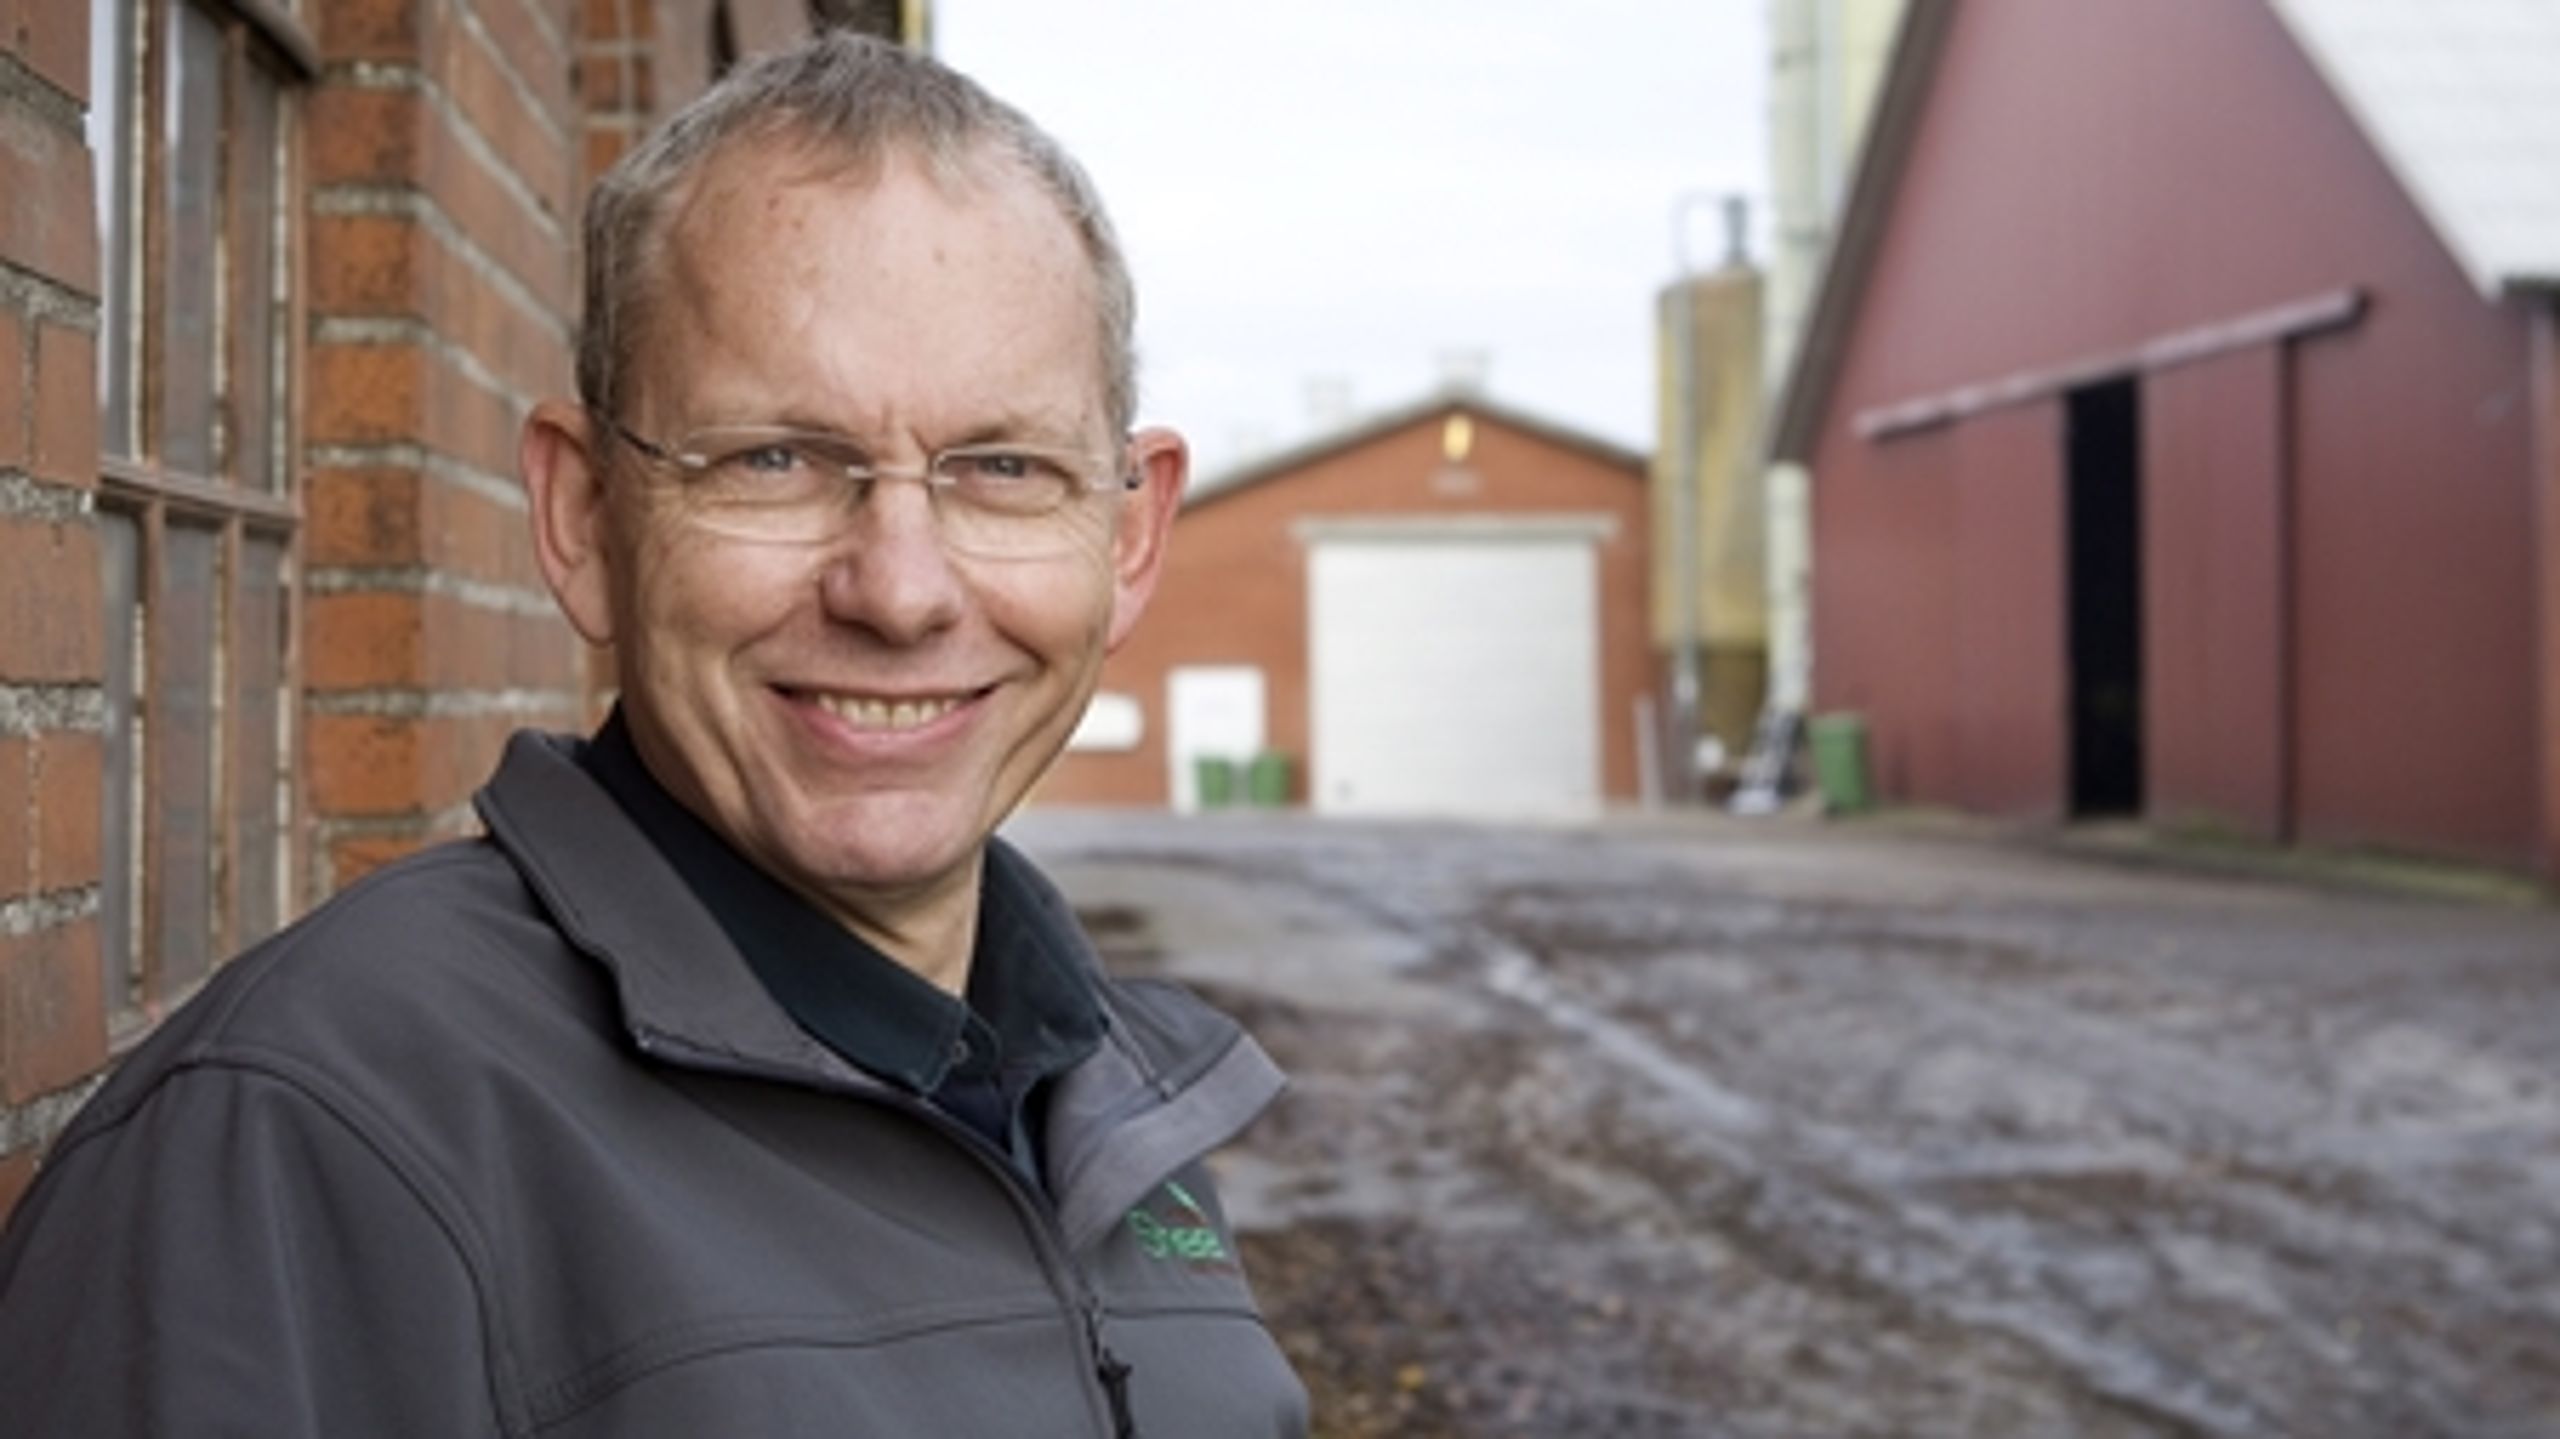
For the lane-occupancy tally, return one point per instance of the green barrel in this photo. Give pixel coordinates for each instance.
(1840, 761)
(1217, 780)
(1267, 780)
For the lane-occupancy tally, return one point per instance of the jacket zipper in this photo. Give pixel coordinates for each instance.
(1107, 1378)
(1111, 1369)
(1110, 1372)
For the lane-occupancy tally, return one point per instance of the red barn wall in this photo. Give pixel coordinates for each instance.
(2085, 178)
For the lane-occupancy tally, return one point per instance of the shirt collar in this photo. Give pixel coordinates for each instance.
(1032, 1006)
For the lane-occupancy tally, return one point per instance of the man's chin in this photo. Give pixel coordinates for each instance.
(886, 854)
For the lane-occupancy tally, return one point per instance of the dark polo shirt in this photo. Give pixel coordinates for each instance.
(1032, 1009)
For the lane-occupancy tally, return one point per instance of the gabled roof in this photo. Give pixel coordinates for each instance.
(2460, 97)
(1859, 233)
(1385, 422)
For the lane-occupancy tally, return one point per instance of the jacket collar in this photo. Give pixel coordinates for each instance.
(686, 993)
(1172, 1080)
(1031, 1007)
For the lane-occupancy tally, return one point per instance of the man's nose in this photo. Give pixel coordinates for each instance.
(889, 572)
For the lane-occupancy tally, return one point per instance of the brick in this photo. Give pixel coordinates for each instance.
(50, 807)
(365, 765)
(376, 767)
(366, 136)
(53, 1029)
(614, 82)
(52, 36)
(367, 265)
(363, 517)
(364, 639)
(18, 817)
(371, 29)
(50, 223)
(17, 1172)
(50, 625)
(396, 516)
(13, 390)
(606, 143)
(604, 19)
(65, 442)
(366, 394)
(69, 803)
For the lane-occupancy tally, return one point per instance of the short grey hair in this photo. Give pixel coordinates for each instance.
(852, 100)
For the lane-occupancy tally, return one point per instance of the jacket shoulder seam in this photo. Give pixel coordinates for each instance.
(374, 1134)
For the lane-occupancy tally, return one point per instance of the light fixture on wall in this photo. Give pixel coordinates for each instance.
(1457, 442)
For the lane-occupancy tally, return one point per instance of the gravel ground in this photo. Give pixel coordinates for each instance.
(1713, 1128)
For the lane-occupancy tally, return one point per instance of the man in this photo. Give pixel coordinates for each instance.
(738, 1082)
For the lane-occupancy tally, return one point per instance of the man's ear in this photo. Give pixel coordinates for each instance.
(565, 491)
(1159, 466)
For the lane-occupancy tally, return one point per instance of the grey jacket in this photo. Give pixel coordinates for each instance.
(506, 1139)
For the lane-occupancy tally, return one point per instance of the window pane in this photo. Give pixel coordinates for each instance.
(111, 61)
(120, 550)
(189, 313)
(257, 219)
(183, 724)
(257, 716)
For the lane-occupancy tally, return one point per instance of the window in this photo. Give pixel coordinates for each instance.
(192, 122)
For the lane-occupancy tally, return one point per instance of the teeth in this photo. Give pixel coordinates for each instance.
(887, 714)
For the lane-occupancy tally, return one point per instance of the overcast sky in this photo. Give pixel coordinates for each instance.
(1341, 192)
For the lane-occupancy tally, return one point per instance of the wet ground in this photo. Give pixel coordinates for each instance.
(1716, 1128)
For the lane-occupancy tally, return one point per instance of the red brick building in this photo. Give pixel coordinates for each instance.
(1440, 610)
(277, 280)
(2184, 420)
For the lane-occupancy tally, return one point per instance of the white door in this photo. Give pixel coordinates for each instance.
(1212, 712)
(1455, 674)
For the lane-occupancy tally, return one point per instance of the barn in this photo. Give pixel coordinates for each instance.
(1438, 610)
(2183, 409)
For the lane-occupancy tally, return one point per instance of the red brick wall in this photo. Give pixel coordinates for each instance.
(444, 165)
(1234, 589)
(52, 1022)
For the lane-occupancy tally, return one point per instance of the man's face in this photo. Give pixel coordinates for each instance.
(857, 714)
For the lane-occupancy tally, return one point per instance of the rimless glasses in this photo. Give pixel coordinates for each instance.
(788, 486)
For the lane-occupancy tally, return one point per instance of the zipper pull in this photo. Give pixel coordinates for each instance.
(1115, 1384)
(1111, 1368)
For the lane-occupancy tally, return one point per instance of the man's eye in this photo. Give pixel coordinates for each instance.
(1003, 467)
(769, 460)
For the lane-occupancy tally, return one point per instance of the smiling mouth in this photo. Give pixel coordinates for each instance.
(867, 713)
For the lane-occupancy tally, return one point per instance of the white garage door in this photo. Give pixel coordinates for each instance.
(1455, 672)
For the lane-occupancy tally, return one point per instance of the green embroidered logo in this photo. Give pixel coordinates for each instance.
(1183, 1233)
